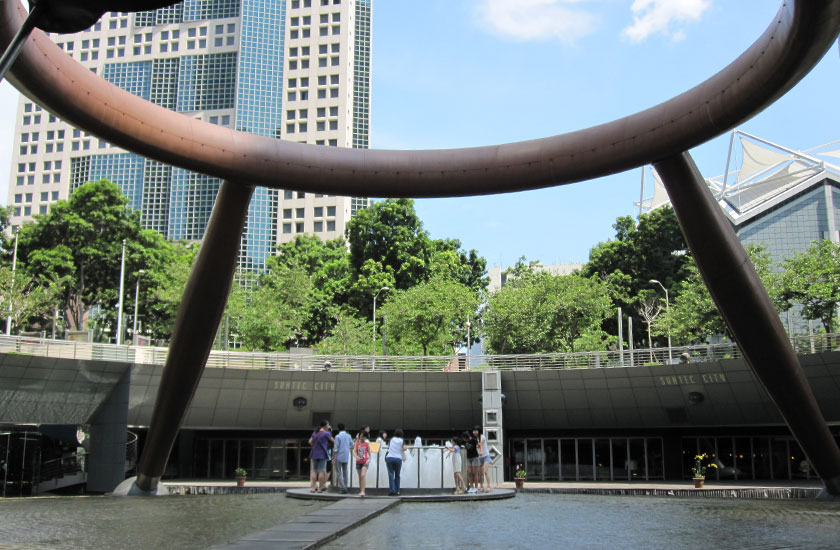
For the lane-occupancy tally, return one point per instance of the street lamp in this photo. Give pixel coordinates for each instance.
(668, 312)
(136, 301)
(468, 341)
(373, 341)
(122, 289)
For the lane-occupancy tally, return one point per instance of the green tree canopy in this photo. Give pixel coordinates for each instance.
(429, 317)
(812, 279)
(693, 315)
(652, 248)
(389, 247)
(544, 313)
(349, 336)
(77, 247)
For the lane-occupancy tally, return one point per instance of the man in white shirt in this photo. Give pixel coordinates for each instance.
(341, 452)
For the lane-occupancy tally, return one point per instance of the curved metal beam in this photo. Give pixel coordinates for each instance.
(794, 42)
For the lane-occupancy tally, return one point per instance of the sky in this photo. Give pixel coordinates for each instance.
(462, 73)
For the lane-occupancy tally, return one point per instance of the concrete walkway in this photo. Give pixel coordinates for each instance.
(317, 528)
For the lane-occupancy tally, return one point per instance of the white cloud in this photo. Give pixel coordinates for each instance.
(537, 19)
(657, 16)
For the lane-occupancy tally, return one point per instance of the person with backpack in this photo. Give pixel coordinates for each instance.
(361, 452)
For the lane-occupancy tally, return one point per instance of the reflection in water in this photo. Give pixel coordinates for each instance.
(572, 521)
(119, 523)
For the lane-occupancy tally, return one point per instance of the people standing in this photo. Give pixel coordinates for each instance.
(318, 454)
(473, 462)
(341, 455)
(485, 458)
(394, 460)
(457, 466)
(361, 452)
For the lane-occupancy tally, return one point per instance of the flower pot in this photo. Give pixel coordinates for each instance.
(240, 481)
(698, 482)
(519, 482)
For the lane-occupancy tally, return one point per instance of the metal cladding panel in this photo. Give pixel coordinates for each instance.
(43, 390)
(723, 394)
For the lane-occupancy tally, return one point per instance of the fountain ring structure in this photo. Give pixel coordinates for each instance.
(793, 43)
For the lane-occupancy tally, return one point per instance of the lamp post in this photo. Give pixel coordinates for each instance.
(14, 264)
(667, 311)
(122, 289)
(468, 341)
(136, 301)
(373, 341)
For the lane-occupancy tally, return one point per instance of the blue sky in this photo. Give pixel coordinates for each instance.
(477, 72)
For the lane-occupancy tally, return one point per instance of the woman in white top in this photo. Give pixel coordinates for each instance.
(393, 461)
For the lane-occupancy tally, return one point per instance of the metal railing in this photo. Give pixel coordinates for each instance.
(446, 363)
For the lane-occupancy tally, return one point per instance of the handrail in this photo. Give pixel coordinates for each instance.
(804, 345)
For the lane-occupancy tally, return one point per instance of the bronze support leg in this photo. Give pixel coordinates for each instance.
(749, 313)
(195, 328)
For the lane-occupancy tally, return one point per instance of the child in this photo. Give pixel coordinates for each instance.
(455, 451)
(361, 452)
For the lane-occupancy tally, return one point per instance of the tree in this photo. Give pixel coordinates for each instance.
(6, 243)
(648, 307)
(271, 317)
(812, 279)
(327, 264)
(544, 313)
(693, 314)
(389, 247)
(78, 247)
(652, 248)
(162, 290)
(22, 299)
(349, 336)
(430, 316)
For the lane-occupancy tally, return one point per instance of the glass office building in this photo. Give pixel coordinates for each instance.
(286, 69)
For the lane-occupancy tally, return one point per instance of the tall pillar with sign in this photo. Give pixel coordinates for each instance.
(491, 405)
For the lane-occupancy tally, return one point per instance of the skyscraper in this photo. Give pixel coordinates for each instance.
(288, 69)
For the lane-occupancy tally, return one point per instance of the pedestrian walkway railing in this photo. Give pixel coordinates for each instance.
(67, 349)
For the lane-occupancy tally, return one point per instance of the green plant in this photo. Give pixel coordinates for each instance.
(699, 469)
(241, 472)
(520, 472)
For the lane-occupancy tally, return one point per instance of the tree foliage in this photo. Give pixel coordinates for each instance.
(389, 247)
(812, 279)
(77, 247)
(693, 314)
(349, 336)
(430, 317)
(652, 248)
(544, 313)
(23, 300)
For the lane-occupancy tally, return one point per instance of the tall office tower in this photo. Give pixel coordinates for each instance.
(289, 69)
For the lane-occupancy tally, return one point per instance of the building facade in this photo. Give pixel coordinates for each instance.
(288, 69)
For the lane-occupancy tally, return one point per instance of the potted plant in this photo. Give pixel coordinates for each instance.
(240, 475)
(699, 469)
(519, 476)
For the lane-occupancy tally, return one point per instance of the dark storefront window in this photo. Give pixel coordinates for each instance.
(262, 458)
(599, 459)
(752, 458)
